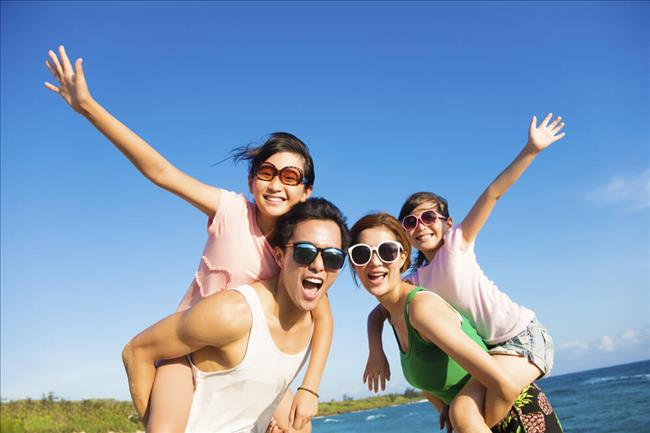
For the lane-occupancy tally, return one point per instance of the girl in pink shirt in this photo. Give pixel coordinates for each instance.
(446, 264)
(281, 174)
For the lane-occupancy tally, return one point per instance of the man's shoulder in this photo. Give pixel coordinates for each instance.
(226, 314)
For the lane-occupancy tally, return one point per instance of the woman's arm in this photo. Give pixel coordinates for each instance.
(214, 321)
(436, 322)
(377, 370)
(539, 138)
(74, 90)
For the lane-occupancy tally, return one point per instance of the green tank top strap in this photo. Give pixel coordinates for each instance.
(426, 366)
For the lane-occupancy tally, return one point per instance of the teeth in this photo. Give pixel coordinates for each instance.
(278, 199)
(314, 280)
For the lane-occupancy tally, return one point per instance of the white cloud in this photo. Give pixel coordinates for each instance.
(629, 338)
(630, 191)
(573, 345)
(606, 343)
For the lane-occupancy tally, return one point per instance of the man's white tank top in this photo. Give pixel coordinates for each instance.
(243, 398)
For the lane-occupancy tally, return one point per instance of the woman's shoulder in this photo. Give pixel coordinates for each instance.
(426, 305)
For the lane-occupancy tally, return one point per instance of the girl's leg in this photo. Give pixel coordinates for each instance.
(281, 414)
(171, 397)
(466, 409)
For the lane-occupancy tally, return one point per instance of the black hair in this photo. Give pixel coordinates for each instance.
(277, 142)
(415, 200)
(315, 208)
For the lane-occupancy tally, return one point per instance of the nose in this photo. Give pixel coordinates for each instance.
(374, 259)
(275, 184)
(317, 265)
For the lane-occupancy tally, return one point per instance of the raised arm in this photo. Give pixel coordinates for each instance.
(436, 322)
(214, 321)
(73, 89)
(539, 138)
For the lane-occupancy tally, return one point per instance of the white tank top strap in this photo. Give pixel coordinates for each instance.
(244, 398)
(259, 329)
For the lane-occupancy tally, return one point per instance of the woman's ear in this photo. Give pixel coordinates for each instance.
(402, 260)
(250, 184)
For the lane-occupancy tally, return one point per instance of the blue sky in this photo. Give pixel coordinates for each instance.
(392, 98)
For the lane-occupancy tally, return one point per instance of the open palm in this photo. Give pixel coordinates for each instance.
(542, 136)
(72, 83)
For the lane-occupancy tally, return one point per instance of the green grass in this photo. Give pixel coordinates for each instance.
(348, 405)
(54, 415)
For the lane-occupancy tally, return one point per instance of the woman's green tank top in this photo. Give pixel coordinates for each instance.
(427, 367)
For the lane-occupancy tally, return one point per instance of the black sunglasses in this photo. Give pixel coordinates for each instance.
(305, 253)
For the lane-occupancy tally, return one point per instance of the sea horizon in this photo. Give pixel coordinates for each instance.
(601, 400)
(542, 381)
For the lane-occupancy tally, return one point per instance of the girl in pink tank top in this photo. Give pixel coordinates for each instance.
(446, 264)
(280, 174)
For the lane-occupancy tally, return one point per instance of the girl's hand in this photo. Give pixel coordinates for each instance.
(539, 138)
(72, 83)
(377, 371)
(303, 408)
(274, 428)
(445, 420)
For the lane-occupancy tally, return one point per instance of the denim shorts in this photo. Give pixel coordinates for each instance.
(534, 343)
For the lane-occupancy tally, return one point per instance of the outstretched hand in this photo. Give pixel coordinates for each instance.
(377, 372)
(539, 138)
(72, 85)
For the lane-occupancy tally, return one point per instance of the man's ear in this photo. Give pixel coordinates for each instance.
(450, 222)
(278, 255)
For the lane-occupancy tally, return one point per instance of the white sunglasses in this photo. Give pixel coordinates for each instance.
(387, 251)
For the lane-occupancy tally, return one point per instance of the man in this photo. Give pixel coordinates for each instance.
(257, 336)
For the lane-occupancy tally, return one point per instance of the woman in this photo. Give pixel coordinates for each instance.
(439, 349)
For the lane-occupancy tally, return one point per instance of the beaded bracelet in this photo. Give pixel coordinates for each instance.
(309, 391)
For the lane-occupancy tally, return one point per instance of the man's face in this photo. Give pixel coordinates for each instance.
(306, 284)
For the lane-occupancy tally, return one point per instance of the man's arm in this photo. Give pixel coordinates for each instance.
(217, 320)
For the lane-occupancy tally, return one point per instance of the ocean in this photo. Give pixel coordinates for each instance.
(606, 400)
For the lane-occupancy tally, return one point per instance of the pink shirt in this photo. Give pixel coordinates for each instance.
(236, 252)
(455, 275)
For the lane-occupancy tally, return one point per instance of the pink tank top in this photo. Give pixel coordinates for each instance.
(456, 276)
(236, 252)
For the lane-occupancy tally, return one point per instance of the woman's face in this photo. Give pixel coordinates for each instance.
(428, 237)
(378, 277)
(274, 198)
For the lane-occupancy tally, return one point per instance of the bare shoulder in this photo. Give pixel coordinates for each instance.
(222, 317)
(427, 308)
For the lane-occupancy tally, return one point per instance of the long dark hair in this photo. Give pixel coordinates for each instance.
(277, 142)
(314, 208)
